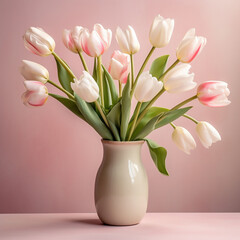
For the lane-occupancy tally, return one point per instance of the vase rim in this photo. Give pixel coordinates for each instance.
(122, 142)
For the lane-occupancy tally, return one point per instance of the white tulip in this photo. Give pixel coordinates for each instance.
(207, 134)
(34, 71)
(183, 139)
(127, 40)
(178, 79)
(147, 87)
(86, 87)
(161, 31)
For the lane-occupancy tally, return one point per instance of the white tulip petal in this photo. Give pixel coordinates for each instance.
(207, 134)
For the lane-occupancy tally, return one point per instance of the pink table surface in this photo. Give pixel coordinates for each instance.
(161, 226)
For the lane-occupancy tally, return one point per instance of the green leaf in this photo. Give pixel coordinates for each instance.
(107, 93)
(114, 119)
(152, 112)
(114, 114)
(111, 84)
(144, 104)
(92, 118)
(158, 66)
(95, 69)
(148, 128)
(158, 155)
(115, 130)
(125, 109)
(64, 77)
(68, 103)
(171, 116)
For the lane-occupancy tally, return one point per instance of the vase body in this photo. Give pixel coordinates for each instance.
(121, 185)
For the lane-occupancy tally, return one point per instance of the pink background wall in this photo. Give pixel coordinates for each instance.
(49, 157)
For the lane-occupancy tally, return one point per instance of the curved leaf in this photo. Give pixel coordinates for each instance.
(171, 116)
(114, 120)
(107, 93)
(158, 155)
(125, 109)
(152, 112)
(92, 118)
(158, 66)
(111, 84)
(148, 128)
(64, 77)
(68, 103)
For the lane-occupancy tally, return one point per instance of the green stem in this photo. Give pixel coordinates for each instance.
(60, 88)
(120, 88)
(173, 125)
(139, 104)
(141, 69)
(100, 79)
(184, 102)
(83, 61)
(191, 118)
(149, 105)
(132, 70)
(171, 67)
(64, 64)
(101, 112)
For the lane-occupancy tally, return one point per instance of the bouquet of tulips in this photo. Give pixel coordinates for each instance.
(95, 99)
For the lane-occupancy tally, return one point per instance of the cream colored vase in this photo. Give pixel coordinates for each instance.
(121, 186)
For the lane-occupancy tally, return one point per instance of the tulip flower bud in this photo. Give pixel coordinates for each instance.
(161, 31)
(190, 46)
(147, 87)
(178, 79)
(86, 87)
(119, 67)
(127, 40)
(34, 71)
(213, 93)
(207, 134)
(95, 43)
(36, 94)
(72, 39)
(183, 139)
(38, 42)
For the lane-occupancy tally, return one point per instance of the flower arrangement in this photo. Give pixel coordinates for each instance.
(96, 100)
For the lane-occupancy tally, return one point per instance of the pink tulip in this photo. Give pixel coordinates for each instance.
(190, 46)
(213, 93)
(36, 94)
(38, 42)
(72, 39)
(97, 42)
(119, 66)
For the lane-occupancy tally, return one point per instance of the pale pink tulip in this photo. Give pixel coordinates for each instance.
(38, 42)
(97, 42)
(72, 39)
(119, 67)
(36, 94)
(213, 93)
(190, 46)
